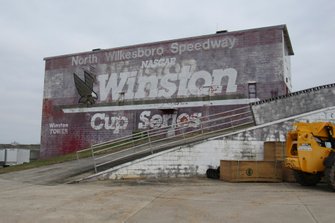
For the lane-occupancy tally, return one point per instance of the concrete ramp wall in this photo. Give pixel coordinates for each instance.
(294, 104)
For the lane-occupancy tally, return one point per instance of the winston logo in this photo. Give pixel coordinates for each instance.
(85, 88)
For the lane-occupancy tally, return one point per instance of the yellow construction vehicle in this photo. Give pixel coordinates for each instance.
(310, 152)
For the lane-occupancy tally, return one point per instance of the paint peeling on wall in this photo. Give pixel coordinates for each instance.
(102, 95)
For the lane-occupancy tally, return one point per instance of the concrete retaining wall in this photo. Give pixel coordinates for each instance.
(294, 104)
(190, 160)
(277, 132)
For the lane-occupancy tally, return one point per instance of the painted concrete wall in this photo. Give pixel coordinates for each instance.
(97, 96)
(190, 160)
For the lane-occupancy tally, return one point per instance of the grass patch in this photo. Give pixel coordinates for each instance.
(43, 162)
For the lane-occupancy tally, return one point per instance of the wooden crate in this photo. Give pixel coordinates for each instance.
(274, 151)
(250, 171)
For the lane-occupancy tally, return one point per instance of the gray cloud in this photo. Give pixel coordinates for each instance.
(32, 30)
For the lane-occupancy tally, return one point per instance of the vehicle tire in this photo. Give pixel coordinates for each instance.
(330, 177)
(307, 179)
(213, 173)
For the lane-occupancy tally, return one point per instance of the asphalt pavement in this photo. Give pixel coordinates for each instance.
(164, 200)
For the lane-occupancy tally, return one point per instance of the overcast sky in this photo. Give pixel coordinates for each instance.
(34, 29)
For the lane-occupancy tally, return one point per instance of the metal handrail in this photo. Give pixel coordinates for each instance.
(154, 138)
(146, 150)
(203, 133)
(176, 129)
(124, 138)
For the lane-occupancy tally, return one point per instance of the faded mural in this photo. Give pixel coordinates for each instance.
(85, 88)
(100, 95)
